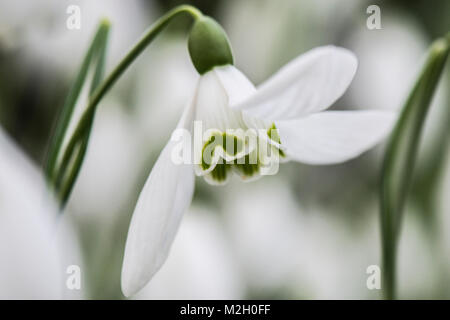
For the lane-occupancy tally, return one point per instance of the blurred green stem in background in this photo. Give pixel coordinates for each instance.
(61, 175)
(428, 177)
(400, 156)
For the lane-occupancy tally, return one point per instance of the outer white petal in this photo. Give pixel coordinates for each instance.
(212, 103)
(238, 88)
(310, 83)
(236, 84)
(160, 207)
(334, 136)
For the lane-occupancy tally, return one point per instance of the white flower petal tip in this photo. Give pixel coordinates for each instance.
(165, 197)
(310, 83)
(235, 83)
(334, 136)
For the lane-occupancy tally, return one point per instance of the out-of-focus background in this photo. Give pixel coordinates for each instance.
(308, 232)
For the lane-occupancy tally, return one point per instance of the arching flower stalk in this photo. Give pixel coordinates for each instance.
(286, 112)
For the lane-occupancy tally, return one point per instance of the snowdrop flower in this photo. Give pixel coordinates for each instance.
(30, 267)
(47, 28)
(393, 53)
(292, 102)
(286, 248)
(36, 247)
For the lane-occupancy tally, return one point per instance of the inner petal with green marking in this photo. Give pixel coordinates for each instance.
(231, 141)
(273, 135)
(236, 151)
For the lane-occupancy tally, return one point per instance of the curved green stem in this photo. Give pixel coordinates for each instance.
(81, 130)
(135, 51)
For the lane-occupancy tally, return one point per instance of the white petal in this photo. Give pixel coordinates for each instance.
(310, 83)
(162, 202)
(165, 197)
(238, 87)
(236, 84)
(334, 136)
(212, 104)
(30, 266)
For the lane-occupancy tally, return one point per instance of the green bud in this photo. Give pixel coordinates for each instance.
(208, 45)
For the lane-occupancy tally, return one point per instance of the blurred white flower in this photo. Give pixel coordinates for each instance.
(200, 266)
(264, 234)
(282, 28)
(289, 251)
(156, 111)
(111, 167)
(291, 100)
(30, 267)
(389, 61)
(46, 40)
(419, 260)
(111, 170)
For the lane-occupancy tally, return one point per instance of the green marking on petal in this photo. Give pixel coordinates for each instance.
(246, 168)
(272, 132)
(224, 151)
(230, 144)
(219, 173)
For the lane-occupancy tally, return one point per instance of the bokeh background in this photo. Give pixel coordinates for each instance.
(306, 233)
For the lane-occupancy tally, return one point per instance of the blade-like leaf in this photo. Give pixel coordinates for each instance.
(400, 157)
(71, 172)
(62, 175)
(59, 160)
(55, 146)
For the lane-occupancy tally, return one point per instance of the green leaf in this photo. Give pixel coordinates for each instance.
(55, 170)
(61, 174)
(400, 156)
(78, 157)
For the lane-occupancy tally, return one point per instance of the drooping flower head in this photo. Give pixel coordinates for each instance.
(245, 131)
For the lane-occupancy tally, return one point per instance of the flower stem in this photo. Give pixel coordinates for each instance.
(81, 133)
(135, 51)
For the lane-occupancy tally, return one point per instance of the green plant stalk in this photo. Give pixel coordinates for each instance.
(400, 156)
(73, 174)
(83, 127)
